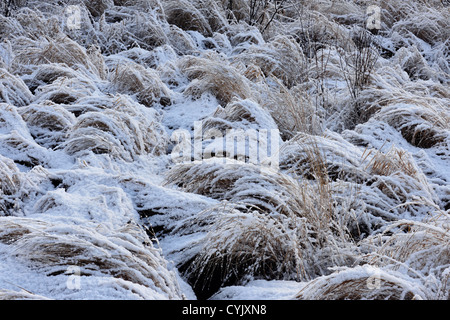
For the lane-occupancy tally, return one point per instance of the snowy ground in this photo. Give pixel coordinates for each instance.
(93, 205)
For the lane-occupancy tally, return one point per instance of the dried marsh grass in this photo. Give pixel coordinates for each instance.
(240, 114)
(182, 43)
(48, 123)
(13, 90)
(419, 249)
(422, 125)
(282, 58)
(240, 246)
(23, 149)
(83, 145)
(186, 16)
(126, 253)
(37, 25)
(398, 183)
(10, 180)
(19, 295)
(213, 74)
(132, 78)
(361, 283)
(46, 74)
(312, 157)
(45, 50)
(299, 215)
(292, 109)
(125, 132)
(426, 23)
(65, 91)
(266, 190)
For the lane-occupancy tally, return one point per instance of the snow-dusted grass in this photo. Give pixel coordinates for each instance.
(90, 195)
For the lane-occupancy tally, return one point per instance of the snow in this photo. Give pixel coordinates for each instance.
(95, 205)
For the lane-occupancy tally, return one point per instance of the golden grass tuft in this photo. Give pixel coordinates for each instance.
(125, 131)
(13, 90)
(132, 78)
(210, 73)
(315, 157)
(282, 58)
(186, 16)
(48, 123)
(126, 253)
(46, 50)
(9, 177)
(361, 283)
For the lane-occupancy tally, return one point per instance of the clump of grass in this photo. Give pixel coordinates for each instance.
(419, 249)
(239, 114)
(19, 295)
(16, 140)
(180, 40)
(423, 126)
(362, 283)
(282, 58)
(126, 253)
(308, 156)
(144, 83)
(125, 132)
(46, 74)
(48, 123)
(301, 215)
(9, 177)
(396, 183)
(61, 49)
(186, 16)
(243, 245)
(13, 90)
(213, 74)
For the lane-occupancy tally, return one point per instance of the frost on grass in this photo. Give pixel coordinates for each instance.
(358, 208)
(261, 203)
(124, 131)
(125, 253)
